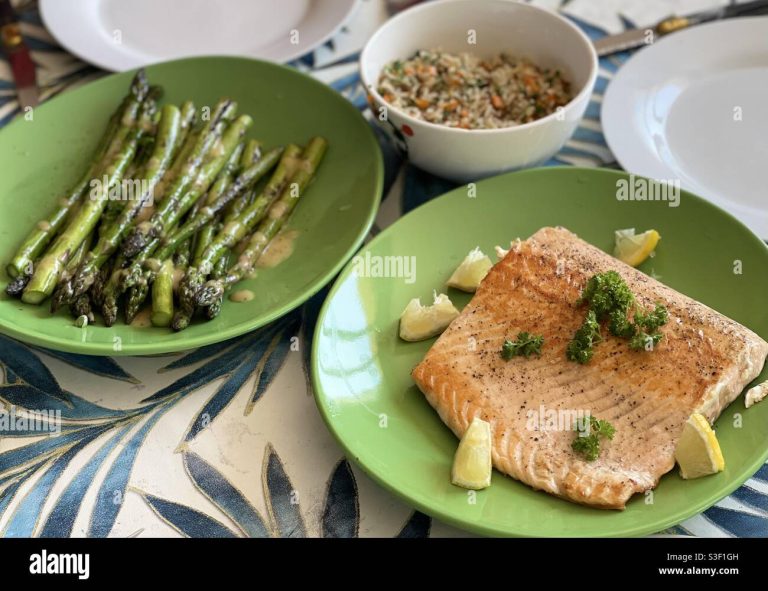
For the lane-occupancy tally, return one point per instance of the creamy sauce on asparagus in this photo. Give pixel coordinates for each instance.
(242, 295)
(145, 213)
(143, 318)
(295, 163)
(277, 210)
(144, 227)
(177, 276)
(279, 249)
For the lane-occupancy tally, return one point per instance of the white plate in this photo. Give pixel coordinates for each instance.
(693, 107)
(125, 34)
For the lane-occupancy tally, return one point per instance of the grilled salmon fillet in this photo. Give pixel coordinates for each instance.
(701, 365)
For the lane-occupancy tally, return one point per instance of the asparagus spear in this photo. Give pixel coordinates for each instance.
(224, 178)
(181, 256)
(77, 257)
(16, 286)
(144, 149)
(213, 309)
(146, 144)
(211, 169)
(188, 289)
(205, 140)
(37, 240)
(134, 277)
(230, 235)
(162, 295)
(130, 276)
(97, 289)
(138, 292)
(112, 227)
(222, 265)
(193, 292)
(237, 229)
(208, 212)
(181, 150)
(220, 185)
(120, 155)
(167, 137)
(82, 307)
(187, 123)
(204, 238)
(269, 227)
(246, 155)
(251, 155)
(74, 260)
(176, 179)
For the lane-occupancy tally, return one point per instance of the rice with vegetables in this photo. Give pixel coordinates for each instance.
(470, 92)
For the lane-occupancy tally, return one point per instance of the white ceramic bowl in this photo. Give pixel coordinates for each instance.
(544, 37)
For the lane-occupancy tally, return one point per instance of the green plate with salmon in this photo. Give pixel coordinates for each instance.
(367, 393)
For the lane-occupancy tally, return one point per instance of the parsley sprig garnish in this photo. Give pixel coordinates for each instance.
(587, 441)
(646, 334)
(580, 349)
(526, 345)
(609, 299)
(605, 293)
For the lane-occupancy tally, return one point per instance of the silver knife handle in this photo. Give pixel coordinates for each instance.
(624, 41)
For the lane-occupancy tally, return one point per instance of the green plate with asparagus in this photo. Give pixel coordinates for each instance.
(178, 206)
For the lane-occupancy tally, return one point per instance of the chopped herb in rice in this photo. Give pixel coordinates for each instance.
(469, 92)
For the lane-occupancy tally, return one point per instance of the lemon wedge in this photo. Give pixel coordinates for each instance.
(698, 452)
(472, 463)
(419, 322)
(471, 271)
(633, 248)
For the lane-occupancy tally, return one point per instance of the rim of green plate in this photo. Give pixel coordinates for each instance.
(156, 348)
(419, 501)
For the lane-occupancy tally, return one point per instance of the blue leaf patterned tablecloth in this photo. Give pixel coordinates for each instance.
(226, 440)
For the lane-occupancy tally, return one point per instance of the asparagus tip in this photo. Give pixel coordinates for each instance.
(209, 293)
(180, 321)
(214, 309)
(64, 294)
(17, 285)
